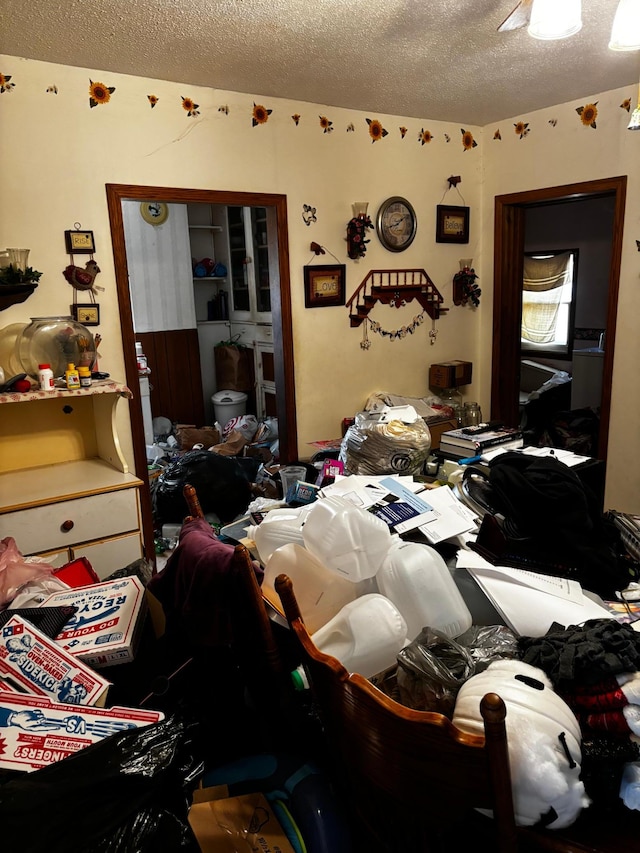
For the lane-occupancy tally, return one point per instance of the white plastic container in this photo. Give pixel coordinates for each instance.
(282, 526)
(349, 540)
(320, 593)
(365, 636)
(229, 404)
(416, 578)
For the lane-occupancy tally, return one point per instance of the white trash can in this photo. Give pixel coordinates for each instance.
(229, 404)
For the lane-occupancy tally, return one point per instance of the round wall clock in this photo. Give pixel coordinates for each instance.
(396, 224)
(154, 212)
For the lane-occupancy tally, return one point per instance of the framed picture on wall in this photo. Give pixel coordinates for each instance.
(452, 224)
(88, 315)
(324, 285)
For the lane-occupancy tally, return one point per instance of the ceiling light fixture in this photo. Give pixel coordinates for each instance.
(625, 33)
(555, 19)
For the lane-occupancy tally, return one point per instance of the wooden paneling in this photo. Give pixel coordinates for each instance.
(176, 385)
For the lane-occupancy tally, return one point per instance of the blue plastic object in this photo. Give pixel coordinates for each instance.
(301, 786)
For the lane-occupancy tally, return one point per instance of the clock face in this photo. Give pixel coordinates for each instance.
(396, 224)
(154, 212)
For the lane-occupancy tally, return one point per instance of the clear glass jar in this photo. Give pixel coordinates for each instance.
(453, 398)
(56, 341)
(472, 414)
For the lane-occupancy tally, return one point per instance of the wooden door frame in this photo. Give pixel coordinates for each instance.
(280, 306)
(509, 236)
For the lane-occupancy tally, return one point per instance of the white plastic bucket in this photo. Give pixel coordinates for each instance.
(347, 539)
(279, 527)
(229, 404)
(365, 636)
(416, 578)
(320, 593)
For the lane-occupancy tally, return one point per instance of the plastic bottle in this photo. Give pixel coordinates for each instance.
(320, 593)
(45, 377)
(365, 636)
(279, 527)
(72, 377)
(416, 579)
(347, 539)
(85, 377)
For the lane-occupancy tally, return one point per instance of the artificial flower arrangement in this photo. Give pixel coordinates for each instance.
(465, 288)
(356, 233)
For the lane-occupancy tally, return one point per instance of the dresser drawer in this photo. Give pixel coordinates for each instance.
(42, 528)
(109, 555)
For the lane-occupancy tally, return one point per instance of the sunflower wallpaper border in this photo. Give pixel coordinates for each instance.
(102, 94)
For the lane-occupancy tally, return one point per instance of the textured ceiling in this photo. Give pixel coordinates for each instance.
(437, 59)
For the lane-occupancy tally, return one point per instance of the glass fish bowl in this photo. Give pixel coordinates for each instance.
(57, 341)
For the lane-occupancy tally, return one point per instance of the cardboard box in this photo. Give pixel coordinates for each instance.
(106, 627)
(33, 663)
(244, 824)
(450, 374)
(35, 732)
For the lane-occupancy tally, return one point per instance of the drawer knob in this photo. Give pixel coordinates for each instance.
(67, 525)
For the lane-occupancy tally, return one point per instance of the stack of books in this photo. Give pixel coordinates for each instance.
(461, 444)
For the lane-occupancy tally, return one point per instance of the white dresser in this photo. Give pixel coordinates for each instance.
(65, 487)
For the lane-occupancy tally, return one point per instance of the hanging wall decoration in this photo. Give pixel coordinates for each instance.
(357, 228)
(190, 108)
(80, 241)
(468, 142)
(465, 289)
(308, 214)
(521, 128)
(153, 100)
(326, 125)
(324, 284)
(395, 288)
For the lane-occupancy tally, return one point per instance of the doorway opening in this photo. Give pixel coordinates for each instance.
(280, 306)
(509, 251)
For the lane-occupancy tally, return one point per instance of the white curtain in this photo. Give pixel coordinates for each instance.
(542, 290)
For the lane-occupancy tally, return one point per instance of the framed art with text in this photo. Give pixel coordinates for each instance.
(452, 224)
(324, 285)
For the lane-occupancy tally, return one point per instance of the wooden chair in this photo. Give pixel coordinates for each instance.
(411, 779)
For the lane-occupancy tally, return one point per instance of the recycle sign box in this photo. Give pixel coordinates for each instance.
(105, 629)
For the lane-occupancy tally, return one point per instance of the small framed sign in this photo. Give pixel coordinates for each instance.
(452, 224)
(324, 285)
(80, 242)
(88, 315)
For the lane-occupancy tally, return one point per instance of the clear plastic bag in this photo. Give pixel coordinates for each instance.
(433, 667)
(374, 446)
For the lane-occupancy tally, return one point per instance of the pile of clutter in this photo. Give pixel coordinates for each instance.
(384, 605)
(62, 631)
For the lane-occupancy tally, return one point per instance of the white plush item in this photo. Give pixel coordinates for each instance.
(541, 773)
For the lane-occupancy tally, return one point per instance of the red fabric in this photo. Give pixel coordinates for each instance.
(197, 589)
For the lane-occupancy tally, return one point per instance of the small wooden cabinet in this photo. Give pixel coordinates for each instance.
(65, 487)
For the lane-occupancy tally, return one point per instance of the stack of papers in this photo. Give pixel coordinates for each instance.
(405, 505)
(530, 602)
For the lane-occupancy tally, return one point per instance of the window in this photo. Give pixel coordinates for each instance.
(548, 302)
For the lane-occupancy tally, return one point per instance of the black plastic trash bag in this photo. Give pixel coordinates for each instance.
(129, 793)
(222, 483)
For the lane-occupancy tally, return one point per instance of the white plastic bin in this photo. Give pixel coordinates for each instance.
(229, 404)
(281, 526)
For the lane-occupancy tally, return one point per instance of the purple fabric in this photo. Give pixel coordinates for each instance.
(197, 588)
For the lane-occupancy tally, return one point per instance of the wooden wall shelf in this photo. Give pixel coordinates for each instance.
(13, 294)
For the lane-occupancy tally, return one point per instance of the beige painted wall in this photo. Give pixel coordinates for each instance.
(58, 154)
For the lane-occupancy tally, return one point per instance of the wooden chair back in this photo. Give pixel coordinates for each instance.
(412, 772)
(255, 648)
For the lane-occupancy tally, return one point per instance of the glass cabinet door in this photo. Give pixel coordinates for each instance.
(240, 298)
(261, 258)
